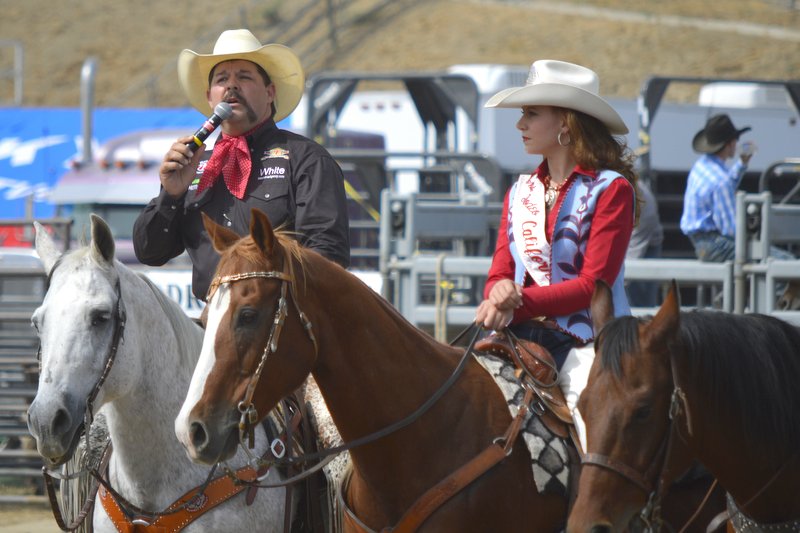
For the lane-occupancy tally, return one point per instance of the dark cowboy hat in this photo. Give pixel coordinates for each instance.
(719, 130)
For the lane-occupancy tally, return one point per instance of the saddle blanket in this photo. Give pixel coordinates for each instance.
(549, 456)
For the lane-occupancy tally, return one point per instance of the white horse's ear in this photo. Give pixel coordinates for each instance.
(102, 240)
(45, 247)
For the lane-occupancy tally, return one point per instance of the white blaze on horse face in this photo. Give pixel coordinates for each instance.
(217, 308)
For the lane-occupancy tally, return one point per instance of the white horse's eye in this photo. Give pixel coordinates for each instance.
(100, 318)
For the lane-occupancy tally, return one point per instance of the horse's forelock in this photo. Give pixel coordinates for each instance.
(618, 337)
(246, 256)
(83, 256)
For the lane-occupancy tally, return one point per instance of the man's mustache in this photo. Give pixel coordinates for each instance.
(234, 95)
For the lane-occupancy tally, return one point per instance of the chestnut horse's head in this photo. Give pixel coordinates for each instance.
(626, 400)
(258, 346)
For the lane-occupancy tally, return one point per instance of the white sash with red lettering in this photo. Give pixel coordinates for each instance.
(528, 227)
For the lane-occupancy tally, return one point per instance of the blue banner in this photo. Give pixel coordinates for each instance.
(37, 145)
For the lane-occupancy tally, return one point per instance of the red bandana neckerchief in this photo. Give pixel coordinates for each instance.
(231, 158)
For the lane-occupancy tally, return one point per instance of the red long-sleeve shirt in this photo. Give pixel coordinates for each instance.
(612, 225)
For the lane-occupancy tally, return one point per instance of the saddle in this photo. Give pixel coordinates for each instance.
(537, 368)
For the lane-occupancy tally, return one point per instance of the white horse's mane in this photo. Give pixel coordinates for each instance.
(181, 324)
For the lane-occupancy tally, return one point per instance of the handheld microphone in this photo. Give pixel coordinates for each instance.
(222, 111)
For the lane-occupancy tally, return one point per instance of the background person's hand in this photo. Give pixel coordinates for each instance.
(179, 167)
(746, 151)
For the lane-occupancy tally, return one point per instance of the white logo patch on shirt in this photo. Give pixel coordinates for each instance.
(271, 173)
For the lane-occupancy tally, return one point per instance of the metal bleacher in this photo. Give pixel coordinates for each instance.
(756, 274)
(21, 292)
(22, 289)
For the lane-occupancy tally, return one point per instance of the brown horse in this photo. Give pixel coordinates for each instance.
(373, 368)
(718, 387)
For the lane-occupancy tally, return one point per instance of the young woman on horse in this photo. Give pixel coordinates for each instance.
(566, 224)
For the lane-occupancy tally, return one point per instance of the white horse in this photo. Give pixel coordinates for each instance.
(143, 390)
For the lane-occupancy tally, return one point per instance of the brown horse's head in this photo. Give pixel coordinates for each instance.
(256, 349)
(625, 407)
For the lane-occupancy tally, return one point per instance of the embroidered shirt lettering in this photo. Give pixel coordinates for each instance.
(271, 173)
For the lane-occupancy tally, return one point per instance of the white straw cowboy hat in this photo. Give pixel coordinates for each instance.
(562, 84)
(280, 62)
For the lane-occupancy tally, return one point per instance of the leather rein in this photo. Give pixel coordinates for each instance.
(428, 502)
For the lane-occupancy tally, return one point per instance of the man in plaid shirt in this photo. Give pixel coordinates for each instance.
(709, 205)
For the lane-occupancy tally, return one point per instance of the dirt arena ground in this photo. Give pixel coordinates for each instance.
(27, 518)
(624, 40)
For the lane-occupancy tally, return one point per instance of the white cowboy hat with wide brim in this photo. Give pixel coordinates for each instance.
(280, 62)
(562, 84)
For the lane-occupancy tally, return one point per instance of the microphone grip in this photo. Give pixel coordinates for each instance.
(204, 131)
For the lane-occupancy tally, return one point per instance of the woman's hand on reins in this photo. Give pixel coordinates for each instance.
(491, 317)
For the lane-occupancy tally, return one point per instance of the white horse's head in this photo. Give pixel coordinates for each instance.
(76, 325)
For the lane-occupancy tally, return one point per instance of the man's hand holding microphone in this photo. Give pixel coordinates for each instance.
(180, 163)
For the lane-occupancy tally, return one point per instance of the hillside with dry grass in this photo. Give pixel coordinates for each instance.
(136, 43)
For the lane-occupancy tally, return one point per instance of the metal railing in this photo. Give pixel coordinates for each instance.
(426, 285)
(760, 224)
(21, 291)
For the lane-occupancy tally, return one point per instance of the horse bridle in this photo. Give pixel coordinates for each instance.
(655, 490)
(111, 355)
(247, 410)
(97, 473)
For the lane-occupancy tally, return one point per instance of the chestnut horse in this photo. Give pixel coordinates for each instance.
(713, 386)
(373, 368)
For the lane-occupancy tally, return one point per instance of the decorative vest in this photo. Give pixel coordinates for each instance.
(562, 259)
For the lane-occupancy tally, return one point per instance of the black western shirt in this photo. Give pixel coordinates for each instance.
(294, 180)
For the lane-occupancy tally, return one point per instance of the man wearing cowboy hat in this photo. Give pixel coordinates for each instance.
(709, 205)
(254, 164)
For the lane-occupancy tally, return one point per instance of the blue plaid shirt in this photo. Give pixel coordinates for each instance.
(710, 200)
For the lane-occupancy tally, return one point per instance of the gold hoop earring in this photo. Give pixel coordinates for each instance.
(560, 142)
